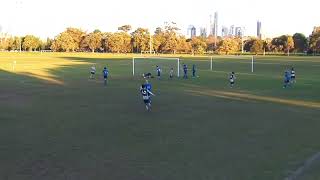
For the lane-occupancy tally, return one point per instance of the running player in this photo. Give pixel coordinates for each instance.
(92, 72)
(105, 73)
(146, 96)
(293, 76)
(232, 79)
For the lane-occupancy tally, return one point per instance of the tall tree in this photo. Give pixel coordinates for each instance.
(120, 42)
(289, 44)
(211, 42)
(184, 46)
(300, 42)
(278, 43)
(257, 46)
(125, 28)
(141, 39)
(93, 41)
(105, 41)
(158, 40)
(77, 36)
(315, 40)
(199, 45)
(30, 42)
(64, 42)
(228, 45)
(170, 36)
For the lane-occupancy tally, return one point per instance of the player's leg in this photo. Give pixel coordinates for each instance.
(146, 102)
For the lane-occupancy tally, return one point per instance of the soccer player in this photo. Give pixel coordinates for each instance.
(146, 96)
(193, 70)
(148, 85)
(185, 71)
(232, 79)
(287, 79)
(92, 72)
(147, 75)
(158, 72)
(171, 73)
(105, 73)
(293, 76)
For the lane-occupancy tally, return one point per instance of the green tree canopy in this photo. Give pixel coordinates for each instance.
(93, 40)
(314, 43)
(300, 42)
(30, 42)
(141, 39)
(257, 46)
(125, 28)
(228, 45)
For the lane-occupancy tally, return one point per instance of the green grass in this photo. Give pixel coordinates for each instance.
(198, 128)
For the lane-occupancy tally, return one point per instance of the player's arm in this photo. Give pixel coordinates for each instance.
(151, 93)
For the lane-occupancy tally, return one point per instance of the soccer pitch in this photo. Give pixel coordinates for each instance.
(56, 123)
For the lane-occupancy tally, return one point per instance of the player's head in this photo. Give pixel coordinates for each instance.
(292, 69)
(105, 68)
(232, 72)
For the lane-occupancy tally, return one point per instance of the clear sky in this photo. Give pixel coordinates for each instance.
(47, 18)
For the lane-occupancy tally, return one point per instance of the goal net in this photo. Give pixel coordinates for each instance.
(143, 65)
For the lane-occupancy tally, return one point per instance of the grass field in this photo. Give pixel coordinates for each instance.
(57, 124)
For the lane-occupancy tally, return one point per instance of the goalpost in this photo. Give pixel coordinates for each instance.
(150, 62)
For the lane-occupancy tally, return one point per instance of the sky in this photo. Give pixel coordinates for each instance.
(47, 18)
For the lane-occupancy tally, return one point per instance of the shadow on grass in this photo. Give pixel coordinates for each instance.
(241, 96)
(41, 69)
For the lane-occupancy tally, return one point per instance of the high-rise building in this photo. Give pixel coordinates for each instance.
(203, 32)
(224, 31)
(215, 24)
(192, 31)
(231, 31)
(238, 32)
(259, 33)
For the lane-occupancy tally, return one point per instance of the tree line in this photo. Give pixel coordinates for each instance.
(164, 40)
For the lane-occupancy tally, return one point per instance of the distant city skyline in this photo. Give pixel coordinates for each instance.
(47, 18)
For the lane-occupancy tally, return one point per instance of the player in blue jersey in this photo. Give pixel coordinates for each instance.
(194, 69)
(158, 72)
(232, 79)
(105, 73)
(148, 85)
(185, 71)
(287, 79)
(146, 96)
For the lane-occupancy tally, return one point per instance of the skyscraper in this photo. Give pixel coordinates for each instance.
(203, 32)
(215, 24)
(238, 31)
(224, 31)
(259, 34)
(231, 31)
(192, 31)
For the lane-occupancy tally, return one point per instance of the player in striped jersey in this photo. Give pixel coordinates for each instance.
(146, 96)
(232, 79)
(293, 76)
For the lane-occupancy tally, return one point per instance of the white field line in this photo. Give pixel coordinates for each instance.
(306, 165)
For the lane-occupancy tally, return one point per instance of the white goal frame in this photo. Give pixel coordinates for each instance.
(165, 58)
